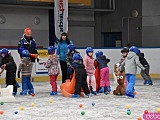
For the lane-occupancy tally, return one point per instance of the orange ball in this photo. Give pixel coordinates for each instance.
(80, 105)
(139, 118)
(135, 92)
(1, 112)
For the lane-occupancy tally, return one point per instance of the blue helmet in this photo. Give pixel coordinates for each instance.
(51, 50)
(134, 49)
(76, 56)
(71, 47)
(89, 49)
(4, 51)
(25, 53)
(98, 53)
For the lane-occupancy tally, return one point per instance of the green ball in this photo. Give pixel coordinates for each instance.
(82, 113)
(106, 93)
(1, 103)
(119, 94)
(128, 112)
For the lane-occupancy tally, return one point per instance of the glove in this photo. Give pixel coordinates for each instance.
(18, 74)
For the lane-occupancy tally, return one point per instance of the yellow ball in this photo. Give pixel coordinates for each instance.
(127, 106)
(32, 104)
(50, 100)
(21, 108)
(158, 110)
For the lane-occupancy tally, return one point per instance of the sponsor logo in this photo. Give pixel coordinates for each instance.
(151, 116)
(61, 15)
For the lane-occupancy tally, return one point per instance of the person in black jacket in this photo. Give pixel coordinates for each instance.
(10, 66)
(145, 74)
(27, 43)
(81, 76)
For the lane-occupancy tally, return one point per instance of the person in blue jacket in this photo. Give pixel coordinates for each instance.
(62, 51)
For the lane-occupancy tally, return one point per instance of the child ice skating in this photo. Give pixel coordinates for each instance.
(9, 65)
(25, 68)
(102, 62)
(89, 66)
(145, 74)
(124, 53)
(81, 76)
(53, 69)
(131, 63)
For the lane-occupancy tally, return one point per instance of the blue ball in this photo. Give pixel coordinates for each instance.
(93, 104)
(16, 112)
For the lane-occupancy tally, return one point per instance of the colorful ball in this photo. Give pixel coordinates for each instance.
(32, 95)
(146, 112)
(139, 118)
(158, 110)
(80, 105)
(2, 103)
(32, 104)
(82, 113)
(16, 112)
(1, 112)
(21, 108)
(93, 104)
(50, 100)
(127, 106)
(128, 112)
(106, 93)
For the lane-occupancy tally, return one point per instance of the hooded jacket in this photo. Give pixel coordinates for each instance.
(102, 61)
(89, 65)
(130, 64)
(25, 67)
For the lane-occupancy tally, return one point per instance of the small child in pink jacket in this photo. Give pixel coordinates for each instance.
(89, 66)
(53, 69)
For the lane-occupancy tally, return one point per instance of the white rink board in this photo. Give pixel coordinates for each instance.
(151, 54)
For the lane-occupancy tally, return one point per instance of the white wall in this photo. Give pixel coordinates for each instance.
(151, 54)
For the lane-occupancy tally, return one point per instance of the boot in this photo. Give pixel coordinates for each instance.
(130, 94)
(23, 92)
(94, 92)
(109, 89)
(150, 82)
(146, 82)
(75, 96)
(87, 95)
(31, 91)
(53, 93)
(101, 90)
(14, 93)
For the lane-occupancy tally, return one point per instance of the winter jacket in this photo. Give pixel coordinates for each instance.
(89, 65)
(25, 67)
(142, 60)
(10, 63)
(102, 61)
(62, 50)
(28, 44)
(52, 65)
(131, 62)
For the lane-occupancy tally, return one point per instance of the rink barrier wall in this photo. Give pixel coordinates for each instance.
(151, 54)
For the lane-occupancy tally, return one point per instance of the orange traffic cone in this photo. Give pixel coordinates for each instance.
(33, 56)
